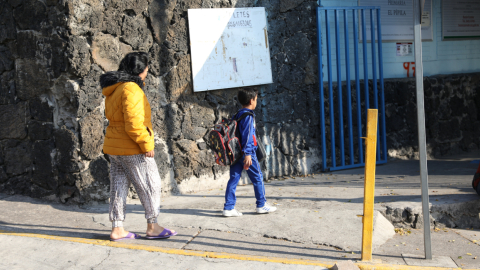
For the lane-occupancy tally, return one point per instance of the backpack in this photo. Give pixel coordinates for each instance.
(224, 141)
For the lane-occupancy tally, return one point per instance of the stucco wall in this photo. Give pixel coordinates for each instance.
(440, 57)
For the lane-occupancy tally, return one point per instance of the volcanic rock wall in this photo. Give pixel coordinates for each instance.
(52, 53)
(452, 114)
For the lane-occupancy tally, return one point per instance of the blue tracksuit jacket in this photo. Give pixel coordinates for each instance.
(246, 127)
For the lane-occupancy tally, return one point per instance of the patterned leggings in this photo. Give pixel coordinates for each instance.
(143, 173)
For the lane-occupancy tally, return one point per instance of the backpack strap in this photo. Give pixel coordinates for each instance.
(242, 116)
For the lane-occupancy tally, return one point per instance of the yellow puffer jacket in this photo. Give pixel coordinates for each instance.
(130, 129)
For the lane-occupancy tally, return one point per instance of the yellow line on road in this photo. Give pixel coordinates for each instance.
(216, 255)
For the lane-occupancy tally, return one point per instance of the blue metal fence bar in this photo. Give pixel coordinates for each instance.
(349, 90)
(379, 162)
(377, 95)
(357, 84)
(322, 101)
(382, 93)
(339, 88)
(374, 61)
(330, 89)
(346, 167)
(365, 62)
(374, 73)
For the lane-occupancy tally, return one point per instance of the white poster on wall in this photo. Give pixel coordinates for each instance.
(397, 19)
(460, 19)
(229, 48)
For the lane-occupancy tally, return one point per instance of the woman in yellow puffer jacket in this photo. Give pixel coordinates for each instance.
(129, 142)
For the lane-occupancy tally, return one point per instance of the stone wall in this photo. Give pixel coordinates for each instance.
(52, 53)
(451, 116)
(452, 108)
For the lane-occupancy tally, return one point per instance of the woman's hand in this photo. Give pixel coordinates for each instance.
(150, 154)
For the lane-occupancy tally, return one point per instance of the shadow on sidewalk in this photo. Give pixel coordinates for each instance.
(201, 243)
(297, 250)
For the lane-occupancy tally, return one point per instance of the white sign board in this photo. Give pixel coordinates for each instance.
(229, 48)
(460, 19)
(397, 19)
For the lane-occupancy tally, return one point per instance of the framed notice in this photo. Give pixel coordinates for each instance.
(460, 19)
(229, 48)
(397, 19)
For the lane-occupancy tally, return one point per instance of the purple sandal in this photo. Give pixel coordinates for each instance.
(166, 233)
(129, 236)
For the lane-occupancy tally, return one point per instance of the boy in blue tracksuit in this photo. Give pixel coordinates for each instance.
(249, 161)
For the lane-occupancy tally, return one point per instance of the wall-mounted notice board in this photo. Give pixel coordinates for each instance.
(229, 48)
(397, 19)
(460, 19)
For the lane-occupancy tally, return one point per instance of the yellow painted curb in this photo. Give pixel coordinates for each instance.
(218, 255)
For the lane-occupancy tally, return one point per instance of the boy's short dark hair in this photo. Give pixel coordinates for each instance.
(134, 63)
(245, 95)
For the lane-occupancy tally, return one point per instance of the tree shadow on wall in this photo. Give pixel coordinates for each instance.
(182, 117)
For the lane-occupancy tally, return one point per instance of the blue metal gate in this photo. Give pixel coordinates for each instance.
(354, 141)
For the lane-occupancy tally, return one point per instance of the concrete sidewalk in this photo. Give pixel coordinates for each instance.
(45, 254)
(316, 217)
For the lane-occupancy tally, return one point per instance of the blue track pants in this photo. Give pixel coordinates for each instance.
(255, 175)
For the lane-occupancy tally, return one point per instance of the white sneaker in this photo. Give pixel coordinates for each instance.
(231, 213)
(267, 208)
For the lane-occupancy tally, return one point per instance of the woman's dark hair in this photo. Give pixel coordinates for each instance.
(245, 95)
(134, 63)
